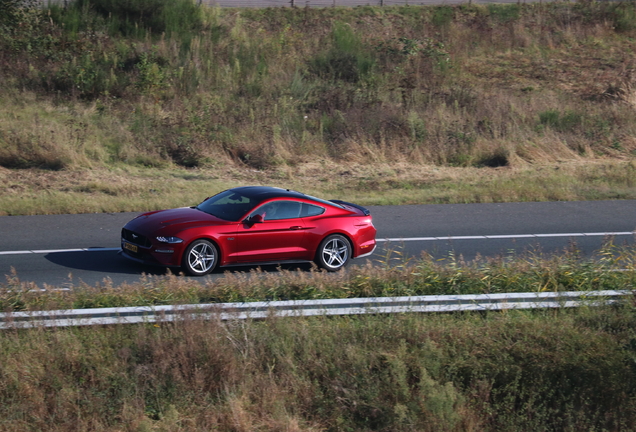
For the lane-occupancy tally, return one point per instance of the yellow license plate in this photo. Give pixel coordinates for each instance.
(130, 247)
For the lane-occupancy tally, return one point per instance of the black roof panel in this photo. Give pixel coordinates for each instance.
(262, 193)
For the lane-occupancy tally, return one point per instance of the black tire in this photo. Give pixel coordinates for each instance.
(200, 258)
(333, 253)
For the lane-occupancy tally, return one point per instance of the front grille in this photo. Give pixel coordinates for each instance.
(135, 238)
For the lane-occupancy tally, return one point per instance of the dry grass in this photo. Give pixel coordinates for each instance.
(385, 105)
(557, 370)
(129, 188)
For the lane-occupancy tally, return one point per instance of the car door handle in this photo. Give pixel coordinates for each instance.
(296, 227)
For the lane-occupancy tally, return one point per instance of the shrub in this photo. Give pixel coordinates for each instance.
(137, 17)
(624, 16)
(347, 60)
(566, 122)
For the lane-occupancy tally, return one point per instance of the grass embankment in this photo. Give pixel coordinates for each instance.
(551, 370)
(135, 106)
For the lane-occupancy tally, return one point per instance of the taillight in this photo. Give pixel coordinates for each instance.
(364, 222)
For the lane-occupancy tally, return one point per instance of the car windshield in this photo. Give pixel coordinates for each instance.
(229, 205)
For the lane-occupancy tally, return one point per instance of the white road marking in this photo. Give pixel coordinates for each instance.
(58, 251)
(511, 236)
(405, 239)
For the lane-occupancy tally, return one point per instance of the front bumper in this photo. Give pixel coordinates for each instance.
(163, 256)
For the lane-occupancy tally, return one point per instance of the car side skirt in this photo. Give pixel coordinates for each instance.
(259, 263)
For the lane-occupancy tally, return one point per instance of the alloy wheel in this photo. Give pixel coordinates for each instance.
(334, 253)
(200, 258)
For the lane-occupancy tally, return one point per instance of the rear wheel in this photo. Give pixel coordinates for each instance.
(333, 253)
(200, 258)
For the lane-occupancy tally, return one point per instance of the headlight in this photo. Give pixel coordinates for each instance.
(169, 239)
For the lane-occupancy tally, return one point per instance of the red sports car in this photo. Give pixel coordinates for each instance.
(251, 225)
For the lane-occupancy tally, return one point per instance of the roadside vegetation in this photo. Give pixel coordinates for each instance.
(114, 106)
(613, 268)
(567, 370)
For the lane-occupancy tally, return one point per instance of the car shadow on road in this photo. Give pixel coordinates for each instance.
(112, 262)
(107, 261)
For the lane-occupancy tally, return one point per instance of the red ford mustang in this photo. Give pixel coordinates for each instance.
(251, 225)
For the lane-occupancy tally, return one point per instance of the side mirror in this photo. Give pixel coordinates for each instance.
(257, 218)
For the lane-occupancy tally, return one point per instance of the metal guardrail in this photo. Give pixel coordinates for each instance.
(305, 308)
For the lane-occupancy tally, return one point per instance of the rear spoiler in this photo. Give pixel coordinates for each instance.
(359, 207)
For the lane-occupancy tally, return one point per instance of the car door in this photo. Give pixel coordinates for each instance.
(279, 236)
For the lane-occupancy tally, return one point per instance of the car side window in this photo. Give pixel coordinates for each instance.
(278, 210)
(311, 210)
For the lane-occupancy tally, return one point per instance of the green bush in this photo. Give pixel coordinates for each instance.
(624, 16)
(504, 14)
(443, 16)
(9, 11)
(347, 60)
(137, 17)
(566, 122)
(20, 27)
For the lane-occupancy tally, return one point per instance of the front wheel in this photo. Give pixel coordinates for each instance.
(200, 258)
(333, 253)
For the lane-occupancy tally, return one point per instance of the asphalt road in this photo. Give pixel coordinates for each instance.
(66, 250)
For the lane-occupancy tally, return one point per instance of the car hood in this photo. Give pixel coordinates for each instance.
(173, 219)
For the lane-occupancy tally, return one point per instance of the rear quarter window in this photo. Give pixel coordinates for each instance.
(309, 210)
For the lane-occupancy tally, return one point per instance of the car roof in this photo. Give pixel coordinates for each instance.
(263, 193)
